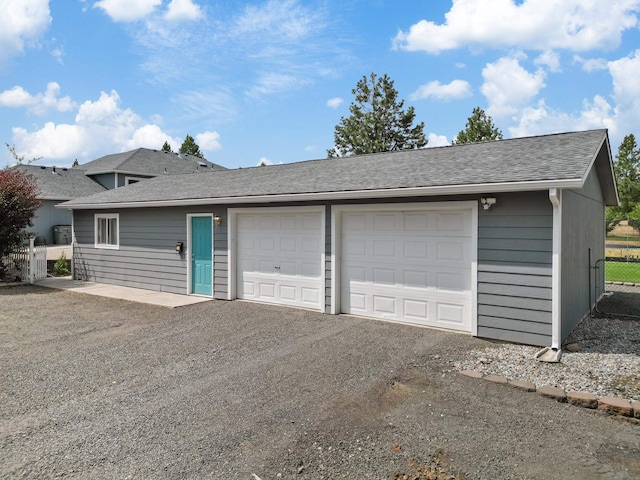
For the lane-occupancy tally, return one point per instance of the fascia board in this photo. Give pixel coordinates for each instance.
(346, 195)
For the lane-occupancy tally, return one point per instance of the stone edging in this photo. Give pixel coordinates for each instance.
(627, 409)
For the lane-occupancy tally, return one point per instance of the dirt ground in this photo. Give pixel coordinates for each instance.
(97, 388)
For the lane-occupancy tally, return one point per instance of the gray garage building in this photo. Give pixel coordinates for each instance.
(492, 238)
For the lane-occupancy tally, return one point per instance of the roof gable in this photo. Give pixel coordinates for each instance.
(559, 160)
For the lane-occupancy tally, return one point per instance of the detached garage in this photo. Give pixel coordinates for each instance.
(492, 238)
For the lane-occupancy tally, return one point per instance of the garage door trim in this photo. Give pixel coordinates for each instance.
(336, 243)
(232, 236)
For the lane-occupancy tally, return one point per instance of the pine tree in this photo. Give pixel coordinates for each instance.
(378, 122)
(479, 128)
(190, 147)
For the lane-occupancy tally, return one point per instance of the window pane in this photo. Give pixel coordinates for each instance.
(102, 230)
(113, 231)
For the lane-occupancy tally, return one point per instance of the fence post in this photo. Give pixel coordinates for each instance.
(32, 260)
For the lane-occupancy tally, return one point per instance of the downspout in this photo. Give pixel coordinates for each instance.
(554, 353)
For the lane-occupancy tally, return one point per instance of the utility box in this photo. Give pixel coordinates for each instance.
(62, 234)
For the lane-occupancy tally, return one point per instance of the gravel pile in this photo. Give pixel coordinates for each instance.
(607, 362)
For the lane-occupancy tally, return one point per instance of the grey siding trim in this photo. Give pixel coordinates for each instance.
(220, 256)
(327, 260)
(583, 228)
(514, 268)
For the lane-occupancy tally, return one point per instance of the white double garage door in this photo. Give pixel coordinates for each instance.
(411, 263)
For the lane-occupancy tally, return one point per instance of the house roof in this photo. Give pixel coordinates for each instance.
(533, 163)
(55, 183)
(144, 161)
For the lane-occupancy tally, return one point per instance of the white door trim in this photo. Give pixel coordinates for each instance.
(336, 243)
(232, 237)
(188, 253)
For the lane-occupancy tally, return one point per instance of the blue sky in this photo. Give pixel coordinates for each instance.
(268, 80)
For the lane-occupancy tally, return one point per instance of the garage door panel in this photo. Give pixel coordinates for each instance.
(454, 281)
(384, 305)
(384, 276)
(412, 266)
(415, 221)
(417, 310)
(385, 221)
(279, 258)
(415, 250)
(416, 278)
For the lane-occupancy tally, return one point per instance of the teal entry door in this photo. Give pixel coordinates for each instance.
(201, 256)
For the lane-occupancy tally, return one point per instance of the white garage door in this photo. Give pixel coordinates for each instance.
(408, 265)
(279, 258)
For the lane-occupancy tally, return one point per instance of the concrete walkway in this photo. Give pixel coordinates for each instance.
(162, 299)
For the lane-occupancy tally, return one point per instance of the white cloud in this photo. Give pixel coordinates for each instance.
(437, 141)
(178, 10)
(549, 59)
(625, 73)
(592, 64)
(508, 86)
(272, 82)
(285, 19)
(542, 119)
(264, 161)
(451, 91)
(335, 102)
(22, 23)
(532, 24)
(40, 103)
(126, 10)
(100, 127)
(209, 141)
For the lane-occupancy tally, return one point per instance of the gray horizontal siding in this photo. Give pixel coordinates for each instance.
(514, 269)
(146, 257)
(509, 335)
(160, 270)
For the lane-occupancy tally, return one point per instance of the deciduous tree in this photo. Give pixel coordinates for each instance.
(18, 204)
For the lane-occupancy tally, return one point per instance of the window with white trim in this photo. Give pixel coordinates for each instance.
(107, 230)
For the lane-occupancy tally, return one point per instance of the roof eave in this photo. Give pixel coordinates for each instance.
(345, 195)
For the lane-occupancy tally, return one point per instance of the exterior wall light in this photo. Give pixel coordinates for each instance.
(217, 220)
(488, 202)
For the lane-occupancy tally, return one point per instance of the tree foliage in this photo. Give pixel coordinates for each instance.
(378, 121)
(166, 147)
(479, 128)
(190, 147)
(627, 170)
(18, 204)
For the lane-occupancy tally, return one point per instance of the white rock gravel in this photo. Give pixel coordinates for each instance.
(607, 363)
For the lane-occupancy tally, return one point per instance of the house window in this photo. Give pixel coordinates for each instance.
(107, 230)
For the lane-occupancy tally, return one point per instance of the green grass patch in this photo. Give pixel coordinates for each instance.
(622, 272)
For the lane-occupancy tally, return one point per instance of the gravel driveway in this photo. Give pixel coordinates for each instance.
(97, 388)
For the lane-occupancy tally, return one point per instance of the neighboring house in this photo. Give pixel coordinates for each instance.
(490, 238)
(57, 184)
(121, 169)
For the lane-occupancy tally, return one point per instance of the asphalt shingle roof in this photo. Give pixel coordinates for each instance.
(61, 183)
(566, 156)
(145, 161)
